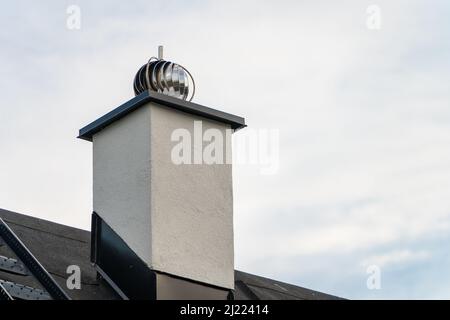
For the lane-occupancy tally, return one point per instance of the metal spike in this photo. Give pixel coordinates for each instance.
(160, 52)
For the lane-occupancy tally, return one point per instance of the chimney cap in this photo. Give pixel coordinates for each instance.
(88, 131)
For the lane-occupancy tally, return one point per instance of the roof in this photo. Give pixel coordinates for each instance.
(88, 131)
(57, 246)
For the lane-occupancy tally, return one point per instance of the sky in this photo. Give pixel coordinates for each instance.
(363, 116)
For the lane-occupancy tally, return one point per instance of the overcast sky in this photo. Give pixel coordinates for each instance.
(363, 114)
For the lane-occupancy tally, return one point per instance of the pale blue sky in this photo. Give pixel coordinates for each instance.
(364, 120)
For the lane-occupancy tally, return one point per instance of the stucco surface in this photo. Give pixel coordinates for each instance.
(192, 206)
(121, 179)
(177, 218)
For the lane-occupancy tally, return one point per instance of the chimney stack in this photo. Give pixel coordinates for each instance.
(161, 229)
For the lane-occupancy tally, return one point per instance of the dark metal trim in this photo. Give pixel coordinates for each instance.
(95, 229)
(31, 263)
(88, 131)
(110, 281)
(119, 265)
(96, 223)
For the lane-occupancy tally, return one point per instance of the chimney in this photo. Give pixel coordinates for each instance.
(162, 229)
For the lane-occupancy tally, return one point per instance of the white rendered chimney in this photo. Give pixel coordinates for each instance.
(178, 218)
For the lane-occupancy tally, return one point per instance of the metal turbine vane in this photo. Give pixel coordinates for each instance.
(164, 77)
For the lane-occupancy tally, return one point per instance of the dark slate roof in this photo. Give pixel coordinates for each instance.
(88, 131)
(57, 246)
(251, 287)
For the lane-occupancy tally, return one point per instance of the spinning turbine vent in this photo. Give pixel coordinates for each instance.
(164, 77)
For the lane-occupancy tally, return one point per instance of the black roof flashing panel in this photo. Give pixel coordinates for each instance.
(88, 131)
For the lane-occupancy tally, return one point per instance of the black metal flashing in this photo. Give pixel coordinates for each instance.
(88, 131)
(31, 263)
(119, 265)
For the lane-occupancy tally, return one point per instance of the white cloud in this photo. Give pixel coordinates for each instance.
(398, 257)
